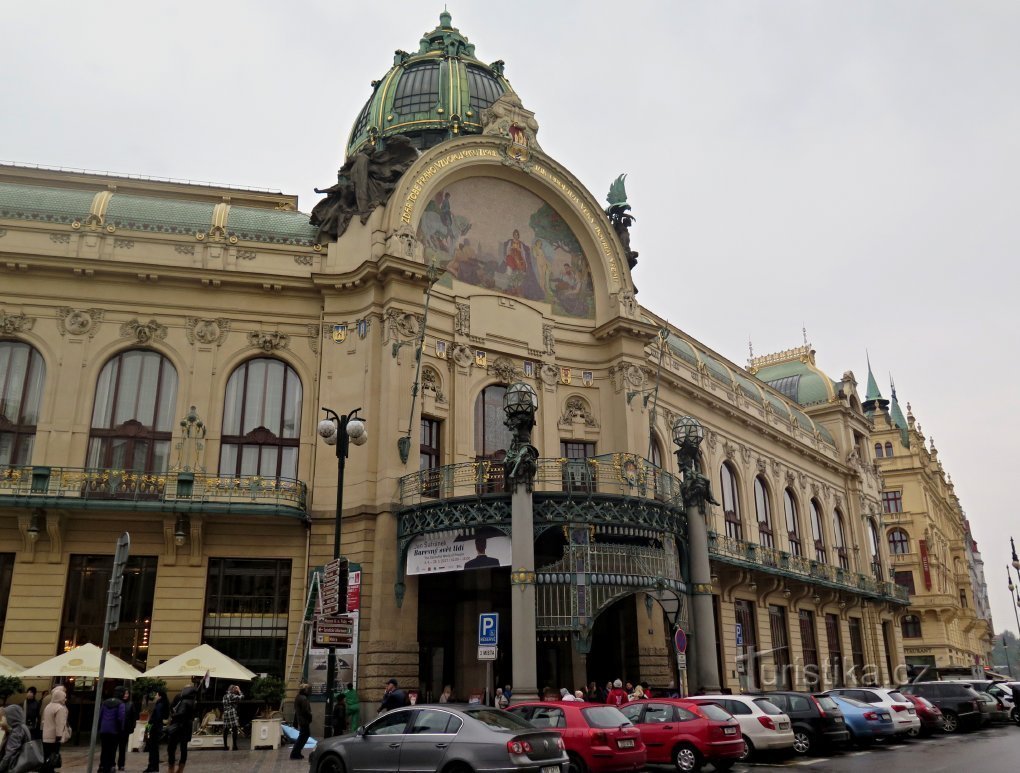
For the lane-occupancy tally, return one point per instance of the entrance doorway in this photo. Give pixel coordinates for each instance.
(614, 648)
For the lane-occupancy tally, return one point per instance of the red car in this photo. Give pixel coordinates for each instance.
(599, 739)
(685, 734)
(929, 714)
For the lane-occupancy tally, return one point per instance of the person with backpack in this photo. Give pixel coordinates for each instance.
(302, 721)
(111, 724)
(182, 718)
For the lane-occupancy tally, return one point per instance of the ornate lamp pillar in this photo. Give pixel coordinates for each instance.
(697, 492)
(520, 403)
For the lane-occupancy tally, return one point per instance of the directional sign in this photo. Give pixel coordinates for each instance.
(334, 631)
(486, 653)
(680, 640)
(333, 588)
(488, 629)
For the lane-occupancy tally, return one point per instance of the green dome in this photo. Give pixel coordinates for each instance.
(432, 95)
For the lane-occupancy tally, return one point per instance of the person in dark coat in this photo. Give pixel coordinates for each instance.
(302, 721)
(393, 698)
(130, 720)
(111, 726)
(17, 736)
(158, 716)
(33, 714)
(182, 718)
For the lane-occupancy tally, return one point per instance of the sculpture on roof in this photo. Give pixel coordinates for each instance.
(364, 182)
(620, 217)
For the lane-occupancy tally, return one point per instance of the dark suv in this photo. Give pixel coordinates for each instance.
(818, 723)
(960, 704)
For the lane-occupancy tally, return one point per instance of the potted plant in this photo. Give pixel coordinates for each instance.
(265, 728)
(142, 688)
(10, 685)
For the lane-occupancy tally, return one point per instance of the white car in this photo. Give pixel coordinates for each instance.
(904, 715)
(763, 725)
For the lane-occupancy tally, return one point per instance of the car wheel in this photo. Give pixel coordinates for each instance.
(330, 764)
(802, 742)
(914, 732)
(748, 749)
(576, 764)
(951, 722)
(686, 759)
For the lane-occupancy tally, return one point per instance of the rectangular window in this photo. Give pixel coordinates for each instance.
(963, 598)
(780, 646)
(809, 647)
(428, 456)
(88, 581)
(892, 501)
(246, 611)
(906, 579)
(6, 572)
(748, 661)
(578, 475)
(857, 647)
(835, 650)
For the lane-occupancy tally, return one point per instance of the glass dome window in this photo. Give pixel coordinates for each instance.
(484, 87)
(418, 89)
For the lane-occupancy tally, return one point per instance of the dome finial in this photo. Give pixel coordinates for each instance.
(445, 19)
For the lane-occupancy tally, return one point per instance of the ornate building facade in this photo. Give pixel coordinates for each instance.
(165, 349)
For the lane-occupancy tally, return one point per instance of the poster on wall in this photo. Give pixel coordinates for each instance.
(483, 547)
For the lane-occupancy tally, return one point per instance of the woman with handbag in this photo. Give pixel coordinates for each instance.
(154, 730)
(55, 729)
(16, 745)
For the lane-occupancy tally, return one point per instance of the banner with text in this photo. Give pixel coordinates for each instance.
(484, 547)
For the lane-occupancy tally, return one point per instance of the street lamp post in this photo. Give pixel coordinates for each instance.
(338, 431)
(1014, 599)
(520, 404)
(697, 492)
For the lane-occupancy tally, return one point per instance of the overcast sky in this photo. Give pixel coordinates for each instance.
(849, 166)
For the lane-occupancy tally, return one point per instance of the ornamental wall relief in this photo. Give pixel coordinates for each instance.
(143, 333)
(504, 370)
(462, 319)
(207, 331)
(15, 323)
(78, 321)
(463, 355)
(432, 384)
(577, 409)
(267, 340)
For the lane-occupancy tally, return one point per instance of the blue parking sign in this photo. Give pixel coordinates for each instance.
(740, 635)
(488, 629)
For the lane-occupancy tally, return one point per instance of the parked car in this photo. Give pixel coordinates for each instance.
(682, 733)
(818, 723)
(959, 703)
(598, 738)
(904, 715)
(1000, 708)
(763, 725)
(428, 737)
(928, 713)
(865, 723)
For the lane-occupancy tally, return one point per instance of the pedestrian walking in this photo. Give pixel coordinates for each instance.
(55, 729)
(353, 707)
(17, 736)
(111, 725)
(231, 722)
(178, 734)
(130, 720)
(302, 721)
(501, 700)
(393, 697)
(158, 716)
(33, 714)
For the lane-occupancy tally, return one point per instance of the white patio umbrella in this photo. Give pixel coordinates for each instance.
(199, 661)
(9, 668)
(82, 661)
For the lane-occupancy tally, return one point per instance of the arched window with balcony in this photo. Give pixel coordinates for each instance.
(792, 522)
(763, 510)
(492, 438)
(818, 533)
(876, 558)
(731, 502)
(22, 372)
(878, 450)
(261, 420)
(899, 542)
(911, 625)
(839, 535)
(132, 421)
(888, 449)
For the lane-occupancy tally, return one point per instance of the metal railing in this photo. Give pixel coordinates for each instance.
(79, 486)
(778, 561)
(614, 474)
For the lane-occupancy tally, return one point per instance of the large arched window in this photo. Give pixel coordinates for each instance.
(817, 533)
(899, 542)
(133, 415)
(911, 626)
(792, 522)
(261, 420)
(839, 535)
(878, 450)
(888, 449)
(731, 504)
(764, 511)
(492, 438)
(22, 372)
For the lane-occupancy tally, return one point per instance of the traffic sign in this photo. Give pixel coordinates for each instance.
(488, 629)
(680, 640)
(486, 653)
(740, 635)
(681, 660)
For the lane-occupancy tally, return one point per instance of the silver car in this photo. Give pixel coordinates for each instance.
(439, 737)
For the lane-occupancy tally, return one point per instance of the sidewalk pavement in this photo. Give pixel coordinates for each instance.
(75, 760)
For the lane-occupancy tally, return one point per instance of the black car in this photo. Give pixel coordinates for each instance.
(818, 723)
(960, 704)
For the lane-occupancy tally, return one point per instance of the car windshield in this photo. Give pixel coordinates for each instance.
(604, 716)
(500, 721)
(853, 702)
(826, 702)
(896, 696)
(712, 711)
(767, 706)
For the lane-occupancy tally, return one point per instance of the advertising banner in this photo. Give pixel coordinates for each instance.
(484, 547)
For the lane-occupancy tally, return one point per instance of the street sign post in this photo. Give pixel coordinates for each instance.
(740, 635)
(680, 641)
(488, 641)
(335, 631)
(486, 653)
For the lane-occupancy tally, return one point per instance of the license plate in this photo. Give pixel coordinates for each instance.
(626, 743)
(784, 725)
(729, 731)
(884, 716)
(839, 720)
(911, 711)
(550, 769)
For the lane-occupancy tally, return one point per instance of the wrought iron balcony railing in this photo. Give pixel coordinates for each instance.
(615, 474)
(774, 561)
(77, 487)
